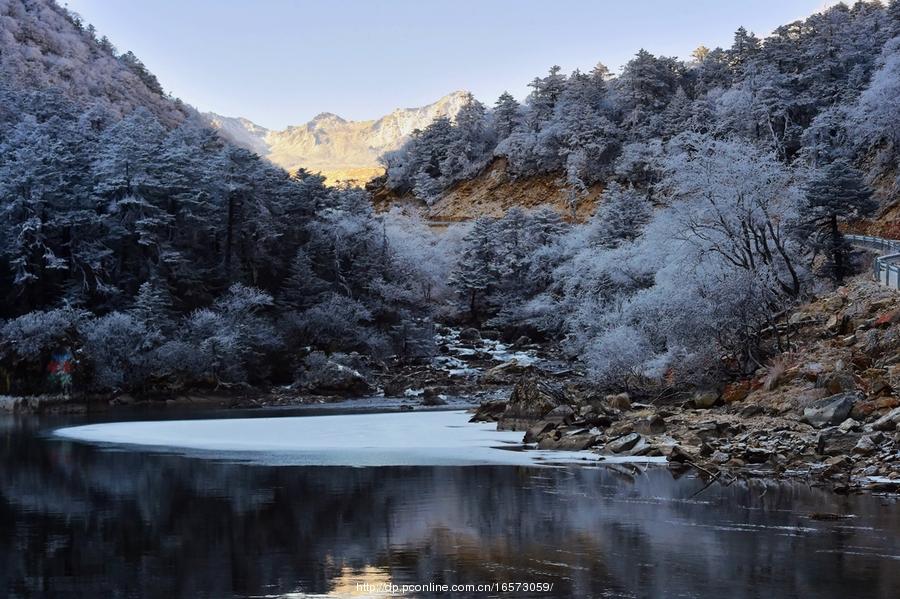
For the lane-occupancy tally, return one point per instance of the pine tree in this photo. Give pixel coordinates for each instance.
(744, 48)
(153, 307)
(475, 269)
(837, 193)
(621, 216)
(545, 92)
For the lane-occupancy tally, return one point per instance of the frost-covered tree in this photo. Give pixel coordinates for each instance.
(507, 115)
(738, 204)
(620, 218)
(545, 91)
(475, 271)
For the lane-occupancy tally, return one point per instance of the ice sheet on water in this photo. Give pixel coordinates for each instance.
(415, 438)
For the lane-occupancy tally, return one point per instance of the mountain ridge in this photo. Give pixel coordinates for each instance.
(339, 148)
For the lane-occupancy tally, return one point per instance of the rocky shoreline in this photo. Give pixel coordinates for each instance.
(722, 442)
(825, 412)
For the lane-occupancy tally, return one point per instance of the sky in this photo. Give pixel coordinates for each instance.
(281, 62)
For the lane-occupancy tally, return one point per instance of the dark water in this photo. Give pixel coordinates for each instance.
(78, 521)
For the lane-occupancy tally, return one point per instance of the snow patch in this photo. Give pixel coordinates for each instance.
(397, 439)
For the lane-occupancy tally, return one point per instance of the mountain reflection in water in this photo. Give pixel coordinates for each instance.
(77, 520)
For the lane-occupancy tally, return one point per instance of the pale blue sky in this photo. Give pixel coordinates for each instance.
(280, 62)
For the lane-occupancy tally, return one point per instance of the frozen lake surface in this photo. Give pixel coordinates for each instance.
(428, 438)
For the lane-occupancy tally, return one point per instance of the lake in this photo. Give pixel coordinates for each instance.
(309, 503)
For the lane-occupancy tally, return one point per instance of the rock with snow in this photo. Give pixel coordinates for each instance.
(623, 443)
(888, 422)
(831, 410)
(327, 376)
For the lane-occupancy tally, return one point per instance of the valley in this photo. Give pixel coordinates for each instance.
(625, 333)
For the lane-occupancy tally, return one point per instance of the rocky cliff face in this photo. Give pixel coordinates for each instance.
(492, 193)
(338, 148)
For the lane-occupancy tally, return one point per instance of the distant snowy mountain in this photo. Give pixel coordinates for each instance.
(338, 148)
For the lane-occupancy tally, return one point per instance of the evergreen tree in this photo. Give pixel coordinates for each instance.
(506, 115)
(475, 270)
(620, 218)
(836, 194)
(545, 92)
(743, 50)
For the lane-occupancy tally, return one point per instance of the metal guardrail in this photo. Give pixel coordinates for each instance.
(886, 267)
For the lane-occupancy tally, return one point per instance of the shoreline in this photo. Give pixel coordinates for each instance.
(817, 471)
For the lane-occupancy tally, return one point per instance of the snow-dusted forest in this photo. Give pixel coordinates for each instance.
(164, 257)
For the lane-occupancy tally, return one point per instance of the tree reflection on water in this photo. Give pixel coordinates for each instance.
(80, 521)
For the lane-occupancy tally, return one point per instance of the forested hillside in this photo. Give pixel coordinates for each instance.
(728, 178)
(813, 89)
(156, 255)
(159, 256)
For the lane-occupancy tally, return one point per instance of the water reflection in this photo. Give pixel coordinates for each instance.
(77, 521)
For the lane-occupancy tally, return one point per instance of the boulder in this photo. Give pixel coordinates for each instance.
(888, 422)
(836, 382)
(865, 446)
(490, 334)
(489, 411)
(597, 419)
(720, 457)
(848, 425)
(651, 425)
(560, 415)
(619, 401)
(678, 454)
(831, 410)
(322, 376)
(548, 441)
(433, 397)
(757, 455)
(521, 342)
(470, 335)
(644, 448)
(751, 411)
(705, 398)
(531, 399)
(623, 443)
(836, 464)
(536, 432)
(502, 373)
(834, 441)
(577, 442)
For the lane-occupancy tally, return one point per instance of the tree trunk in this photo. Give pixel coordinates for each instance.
(229, 236)
(836, 251)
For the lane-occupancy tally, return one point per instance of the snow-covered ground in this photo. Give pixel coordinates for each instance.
(414, 438)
